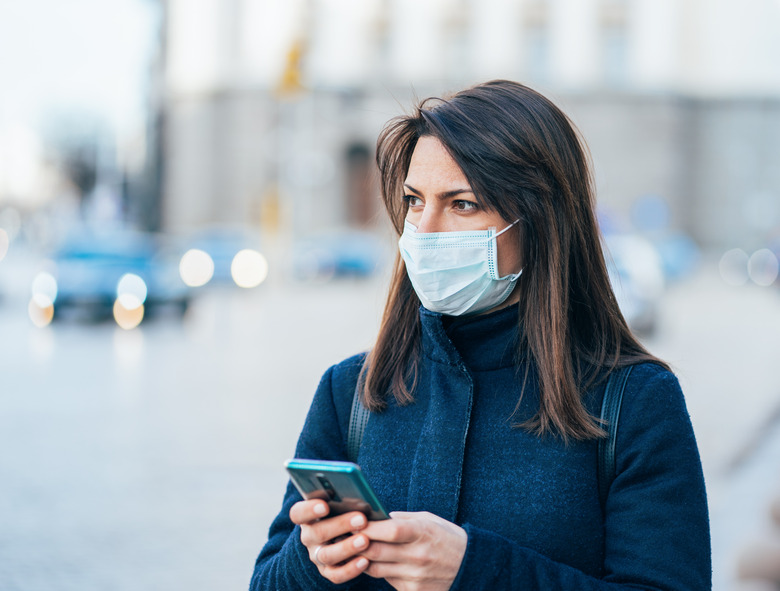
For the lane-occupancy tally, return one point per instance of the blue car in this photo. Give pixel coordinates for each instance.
(92, 271)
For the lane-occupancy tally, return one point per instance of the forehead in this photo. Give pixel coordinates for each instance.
(432, 164)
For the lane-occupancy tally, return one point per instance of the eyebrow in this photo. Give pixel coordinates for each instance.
(444, 195)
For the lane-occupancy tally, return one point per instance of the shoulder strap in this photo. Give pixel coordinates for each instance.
(610, 414)
(358, 418)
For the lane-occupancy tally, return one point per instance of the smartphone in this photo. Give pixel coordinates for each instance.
(341, 484)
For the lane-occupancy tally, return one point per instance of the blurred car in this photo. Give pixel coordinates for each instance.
(93, 274)
(223, 255)
(637, 276)
(339, 253)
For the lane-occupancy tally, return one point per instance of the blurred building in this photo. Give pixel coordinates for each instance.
(272, 108)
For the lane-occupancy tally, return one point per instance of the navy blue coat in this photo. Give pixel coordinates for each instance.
(530, 505)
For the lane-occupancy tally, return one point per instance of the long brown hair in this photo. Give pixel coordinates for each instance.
(524, 159)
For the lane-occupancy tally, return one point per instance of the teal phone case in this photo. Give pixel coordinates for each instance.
(341, 484)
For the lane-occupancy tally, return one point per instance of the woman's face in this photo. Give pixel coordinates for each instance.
(441, 200)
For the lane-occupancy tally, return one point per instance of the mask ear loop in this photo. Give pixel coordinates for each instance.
(511, 276)
(505, 229)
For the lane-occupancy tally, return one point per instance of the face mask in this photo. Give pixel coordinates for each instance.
(455, 273)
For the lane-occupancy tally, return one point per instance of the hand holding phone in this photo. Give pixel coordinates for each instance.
(341, 484)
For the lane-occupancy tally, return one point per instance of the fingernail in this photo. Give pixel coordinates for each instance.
(320, 509)
(359, 542)
(357, 521)
(362, 563)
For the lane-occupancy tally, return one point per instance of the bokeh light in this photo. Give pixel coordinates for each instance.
(196, 267)
(131, 291)
(763, 267)
(128, 318)
(40, 315)
(249, 268)
(44, 289)
(733, 267)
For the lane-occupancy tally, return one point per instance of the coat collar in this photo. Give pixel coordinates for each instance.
(482, 342)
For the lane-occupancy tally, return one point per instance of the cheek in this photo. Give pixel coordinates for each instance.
(510, 259)
(413, 216)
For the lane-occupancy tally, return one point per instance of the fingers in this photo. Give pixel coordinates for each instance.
(345, 572)
(331, 541)
(402, 528)
(308, 511)
(414, 547)
(338, 562)
(381, 552)
(327, 530)
(318, 529)
(393, 561)
(328, 555)
(392, 545)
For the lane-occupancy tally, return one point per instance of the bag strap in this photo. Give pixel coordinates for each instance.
(358, 418)
(610, 414)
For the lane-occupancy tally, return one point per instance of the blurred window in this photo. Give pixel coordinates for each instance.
(361, 192)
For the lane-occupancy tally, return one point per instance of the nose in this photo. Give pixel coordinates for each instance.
(430, 220)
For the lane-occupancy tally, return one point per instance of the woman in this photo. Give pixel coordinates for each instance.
(498, 333)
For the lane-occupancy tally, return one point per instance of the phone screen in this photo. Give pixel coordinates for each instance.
(341, 484)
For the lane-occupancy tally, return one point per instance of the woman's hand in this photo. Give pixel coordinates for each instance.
(415, 551)
(333, 542)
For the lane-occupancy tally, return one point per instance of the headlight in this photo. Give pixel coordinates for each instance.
(44, 289)
(249, 268)
(131, 291)
(196, 267)
(41, 306)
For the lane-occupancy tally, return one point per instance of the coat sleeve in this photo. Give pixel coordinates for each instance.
(284, 561)
(656, 522)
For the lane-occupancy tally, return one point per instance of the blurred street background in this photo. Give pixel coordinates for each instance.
(190, 234)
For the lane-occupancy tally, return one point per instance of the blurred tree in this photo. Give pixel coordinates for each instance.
(74, 140)
(80, 166)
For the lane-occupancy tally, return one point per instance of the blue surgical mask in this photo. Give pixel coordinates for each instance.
(456, 273)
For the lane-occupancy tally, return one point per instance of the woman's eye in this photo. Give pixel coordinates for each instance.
(461, 205)
(412, 200)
